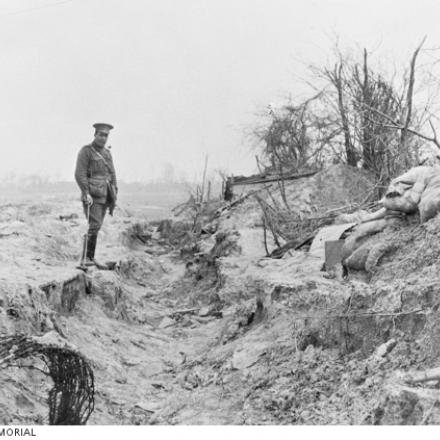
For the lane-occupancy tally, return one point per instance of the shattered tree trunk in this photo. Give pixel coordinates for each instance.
(339, 85)
(408, 109)
(367, 147)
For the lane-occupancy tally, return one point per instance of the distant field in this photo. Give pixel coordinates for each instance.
(151, 205)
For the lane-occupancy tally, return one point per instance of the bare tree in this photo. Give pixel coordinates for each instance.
(294, 137)
(361, 115)
(376, 115)
(338, 81)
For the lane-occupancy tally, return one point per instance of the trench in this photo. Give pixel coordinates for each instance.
(136, 335)
(166, 349)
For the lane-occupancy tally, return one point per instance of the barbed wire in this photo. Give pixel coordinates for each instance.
(71, 399)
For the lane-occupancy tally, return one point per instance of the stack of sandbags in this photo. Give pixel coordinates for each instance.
(417, 189)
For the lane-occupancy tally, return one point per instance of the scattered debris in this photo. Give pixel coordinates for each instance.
(218, 335)
(166, 322)
(72, 216)
(385, 348)
(176, 313)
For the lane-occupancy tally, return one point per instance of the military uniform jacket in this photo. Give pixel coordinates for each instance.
(94, 170)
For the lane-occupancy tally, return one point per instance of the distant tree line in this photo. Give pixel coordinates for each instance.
(34, 183)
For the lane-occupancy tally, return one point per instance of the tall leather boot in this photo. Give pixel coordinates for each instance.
(82, 261)
(90, 254)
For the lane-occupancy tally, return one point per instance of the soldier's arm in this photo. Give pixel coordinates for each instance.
(81, 172)
(113, 172)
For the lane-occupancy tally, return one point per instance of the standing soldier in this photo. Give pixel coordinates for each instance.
(96, 177)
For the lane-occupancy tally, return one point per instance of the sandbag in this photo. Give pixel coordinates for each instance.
(406, 203)
(364, 230)
(405, 192)
(357, 260)
(417, 174)
(360, 216)
(368, 256)
(429, 205)
(377, 252)
(355, 217)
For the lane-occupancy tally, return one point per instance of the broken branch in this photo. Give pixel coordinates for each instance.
(423, 376)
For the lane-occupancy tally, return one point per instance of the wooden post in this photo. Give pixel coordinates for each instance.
(204, 179)
(208, 196)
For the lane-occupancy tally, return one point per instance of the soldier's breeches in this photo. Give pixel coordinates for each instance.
(96, 216)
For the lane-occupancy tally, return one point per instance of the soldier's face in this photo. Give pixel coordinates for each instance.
(101, 138)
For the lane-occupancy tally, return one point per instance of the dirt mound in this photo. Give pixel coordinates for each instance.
(293, 210)
(332, 188)
(335, 187)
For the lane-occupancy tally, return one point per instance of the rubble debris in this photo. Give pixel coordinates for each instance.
(9, 234)
(213, 310)
(400, 407)
(291, 245)
(167, 322)
(228, 207)
(140, 232)
(147, 407)
(66, 217)
(385, 348)
(183, 312)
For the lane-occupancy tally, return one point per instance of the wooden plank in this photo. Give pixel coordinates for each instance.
(327, 233)
(333, 253)
(256, 179)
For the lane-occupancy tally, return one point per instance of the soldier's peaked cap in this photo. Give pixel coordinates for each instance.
(102, 126)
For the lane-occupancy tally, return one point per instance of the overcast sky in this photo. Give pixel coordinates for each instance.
(178, 78)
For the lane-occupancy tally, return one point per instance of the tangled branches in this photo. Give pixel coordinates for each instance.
(289, 225)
